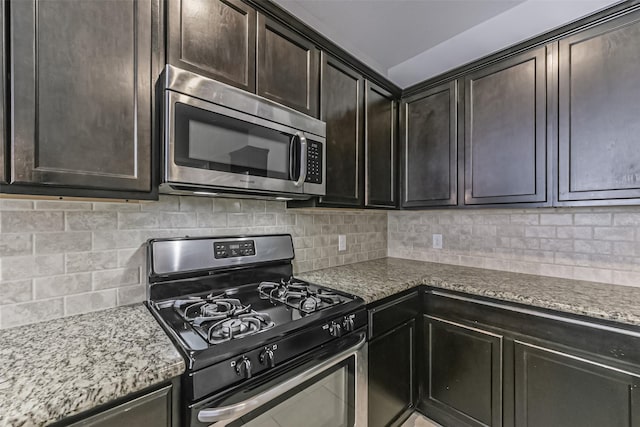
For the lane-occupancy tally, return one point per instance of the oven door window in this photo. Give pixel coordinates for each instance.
(325, 401)
(208, 140)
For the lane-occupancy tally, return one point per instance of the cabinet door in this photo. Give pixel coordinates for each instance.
(288, 67)
(150, 410)
(463, 375)
(392, 386)
(81, 107)
(505, 132)
(380, 147)
(599, 106)
(3, 145)
(429, 147)
(215, 38)
(558, 389)
(342, 110)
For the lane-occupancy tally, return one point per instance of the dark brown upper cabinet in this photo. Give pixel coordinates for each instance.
(343, 111)
(215, 38)
(380, 148)
(288, 67)
(429, 147)
(82, 78)
(505, 138)
(599, 106)
(3, 146)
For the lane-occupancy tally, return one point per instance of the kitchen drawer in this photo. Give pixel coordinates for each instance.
(395, 312)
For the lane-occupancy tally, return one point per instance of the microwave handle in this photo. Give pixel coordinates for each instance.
(303, 159)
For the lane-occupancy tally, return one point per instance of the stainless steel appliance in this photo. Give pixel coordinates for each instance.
(219, 139)
(262, 348)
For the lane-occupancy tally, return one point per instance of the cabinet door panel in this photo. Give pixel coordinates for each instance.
(3, 145)
(505, 131)
(599, 106)
(430, 148)
(464, 374)
(391, 375)
(380, 147)
(557, 389)
(288, 70)
(342, 110)
(81, 78)
(216, 38)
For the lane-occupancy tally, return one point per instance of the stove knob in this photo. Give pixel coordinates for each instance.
(348, 324)
(267, 358)
(335, 330)
(243, 367)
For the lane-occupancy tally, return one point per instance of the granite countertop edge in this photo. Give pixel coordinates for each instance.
(376, 280)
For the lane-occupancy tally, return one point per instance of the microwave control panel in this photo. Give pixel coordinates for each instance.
(314, 163)
(234, 249)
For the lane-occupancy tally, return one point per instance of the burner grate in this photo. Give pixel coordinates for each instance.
(299, 295)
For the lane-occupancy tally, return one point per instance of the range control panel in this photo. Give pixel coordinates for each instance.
(234, 249)
(314, 163)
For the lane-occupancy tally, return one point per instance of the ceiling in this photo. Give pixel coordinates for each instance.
(409, 41)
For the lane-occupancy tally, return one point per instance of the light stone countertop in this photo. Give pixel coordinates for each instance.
(377, 279)
(51, 370)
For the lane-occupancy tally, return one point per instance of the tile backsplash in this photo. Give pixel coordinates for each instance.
(59, 258)
(595, 244)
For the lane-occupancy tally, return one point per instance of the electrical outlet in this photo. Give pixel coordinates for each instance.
(437, 241)
(342, 242)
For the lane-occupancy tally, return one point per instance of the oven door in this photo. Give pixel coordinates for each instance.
(327, 390)
(210, 145)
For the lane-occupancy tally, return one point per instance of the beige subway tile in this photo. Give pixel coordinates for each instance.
(31, 221)
(124, 206)
(131, 294)
(525, 219)
(68, 284)
(107, 279)
(90, 261)
(104, 220)
(563, 245)
(227, 205)
(614, 233)
(166, 203)
(68, 241)
(25, 267)
(540, 231)
(253, 206)
(556, 219)
(31, 312)
(15, 244)
(117, 239)
(195, 204)
(265, 219)
(15, 205)
(130, 258)
(627, 218)
(15, 292)
(275, 206)
(59, 205)
(210, 220)
(592, 219)
(592, 246)
(240, 219)
(574, 232)
(91, 301)
(484, 230)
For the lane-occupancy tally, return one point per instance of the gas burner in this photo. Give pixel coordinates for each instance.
(231, 319)
(238, 327)
(299, 295)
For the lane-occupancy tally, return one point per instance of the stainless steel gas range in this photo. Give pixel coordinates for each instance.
(262, 348)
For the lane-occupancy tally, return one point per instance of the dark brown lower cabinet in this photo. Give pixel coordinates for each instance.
(391, 375)
(490, 363)
(554, 388)
(464, 374)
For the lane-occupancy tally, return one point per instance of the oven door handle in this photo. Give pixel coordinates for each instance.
(235, 411)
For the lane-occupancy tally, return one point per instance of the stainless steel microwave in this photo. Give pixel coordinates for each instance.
(220, 140)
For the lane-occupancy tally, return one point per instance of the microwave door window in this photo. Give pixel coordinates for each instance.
(221, 143)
